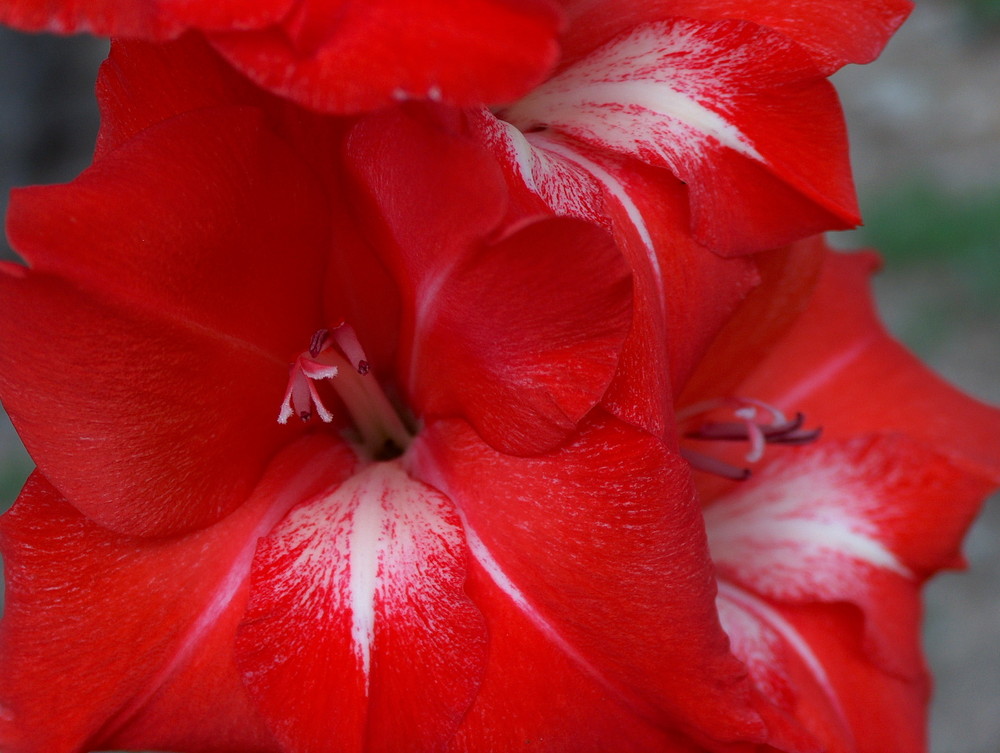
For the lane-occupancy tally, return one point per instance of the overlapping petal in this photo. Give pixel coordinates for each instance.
(534, 693)
(613, 502)
(737, 111)
(553, 294)
(646, 211)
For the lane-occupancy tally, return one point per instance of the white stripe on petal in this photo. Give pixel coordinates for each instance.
(802, 532)
(660, 89)
(753, 626)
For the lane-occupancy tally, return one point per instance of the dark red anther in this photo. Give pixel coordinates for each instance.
(363, 367)
(318, 341)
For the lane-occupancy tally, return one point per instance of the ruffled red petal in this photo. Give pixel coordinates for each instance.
(839, 366)
(144, 354)
(834, 33)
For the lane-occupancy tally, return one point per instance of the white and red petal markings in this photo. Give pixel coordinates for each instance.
(357, 610)
(737, 111)
(862, 521)
(803, 532)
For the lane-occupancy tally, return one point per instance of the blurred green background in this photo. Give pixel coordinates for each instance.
(925, 132)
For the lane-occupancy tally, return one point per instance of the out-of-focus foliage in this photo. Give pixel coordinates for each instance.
(982, 16)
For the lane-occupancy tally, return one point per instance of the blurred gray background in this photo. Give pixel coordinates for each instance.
(925, 133)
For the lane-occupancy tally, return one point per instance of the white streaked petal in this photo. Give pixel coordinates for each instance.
(357, 600)
(801, 533)
(659, 90)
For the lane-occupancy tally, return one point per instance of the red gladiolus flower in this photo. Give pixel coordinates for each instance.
(343, 447)
(231, 582)
(821, 553)
(461, 548)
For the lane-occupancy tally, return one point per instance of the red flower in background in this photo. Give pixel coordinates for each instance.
(348, 56)
(730, 98)
(474, 551)
(340, 55)
(821, 554)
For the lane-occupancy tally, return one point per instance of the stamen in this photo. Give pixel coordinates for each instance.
(759, 431)
(336, 355)
(347, 340)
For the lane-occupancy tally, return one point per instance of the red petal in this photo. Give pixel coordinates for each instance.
(808, 664)
(144, 354)
(738, 112)
(699, 289)
(153, 20)
(835, 33)
(534, 695)
(142, 84)
(454, 198)
(190, 218)
(839, 366)
(460, 52)
(601, 546)
(787, 279)
(864, 521)
(523, 335)
(127, 641)
(357, 611)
